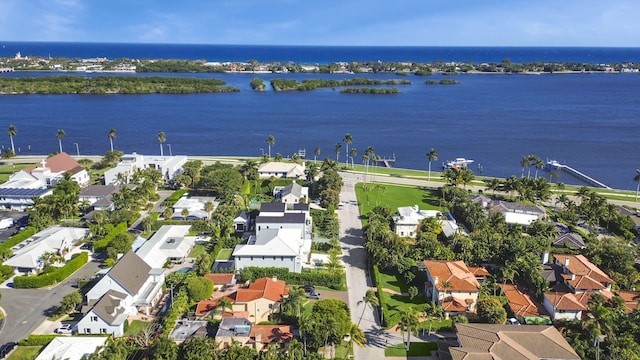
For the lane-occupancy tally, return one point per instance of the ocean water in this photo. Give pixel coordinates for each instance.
(588, 121)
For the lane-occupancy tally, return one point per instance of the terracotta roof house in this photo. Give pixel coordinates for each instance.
(451, 284)
(222, 280)
(205, 307)
(258, 336)
(489, 341)
(264, 335)
(569, 240)
(631, 299)
(260, 299)
(522, 304)
(581, 274)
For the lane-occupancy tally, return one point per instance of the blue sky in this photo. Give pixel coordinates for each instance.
(329, 22)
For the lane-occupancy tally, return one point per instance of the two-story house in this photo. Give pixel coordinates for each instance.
(408, 218)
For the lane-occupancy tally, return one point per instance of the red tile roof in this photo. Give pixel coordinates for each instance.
(267, 334)
(59, 163)
(220, 279)
(581, 267)
(267, 288)
(631, 299)
(208, 305)
(456, 273)
(452, 304)
(521, 303)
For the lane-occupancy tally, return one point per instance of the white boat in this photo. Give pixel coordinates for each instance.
(457, 163)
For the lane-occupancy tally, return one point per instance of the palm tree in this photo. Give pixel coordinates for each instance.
(12, 132)
(295, 350)
(161, 138)
(433, 156)
(316, 153)
(524, 163)
(293, 302)
(59, 136)
(225, 303)
(370, 300)
(270, 140)
(637, 180)
(356, 336)
(352, 154)
(348, 139)
(539, 165)
(111, 135)
(337, 148)
(408, 322)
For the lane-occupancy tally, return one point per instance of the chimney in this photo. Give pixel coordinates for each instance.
(545, 257)
(566, 262)
(573, 276)
(275, 279)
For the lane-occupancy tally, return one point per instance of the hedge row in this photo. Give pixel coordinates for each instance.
(37, 340)
(381, 298)
(18, 238)
(102, 244)
(307, 276)
(31, 282)
(173, 198)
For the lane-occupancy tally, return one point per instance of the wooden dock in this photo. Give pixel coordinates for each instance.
(555, 165)
(388, 162)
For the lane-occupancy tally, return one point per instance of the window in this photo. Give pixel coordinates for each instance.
(87, 331)
(94, 318)
(251, 258)
(103, 331)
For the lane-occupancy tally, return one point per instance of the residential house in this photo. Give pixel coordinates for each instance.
(242, 222)
(169, 244)
(71, 347)
(36, 181)
(569, 240)
(222, 280)
(168, 166)
(632, 215)
(579, 279)
(27, 255)
(106, 315)
(132, 276)
(522, 305)
(100, 197)
(490, 341)
(408, 218)
(514, 213)
(282, 239)
(281, 170)
(452, 285)
(631, 299)
(185, 329)
(233, 329)
(261, 299)
(293, 193)
(194, 205)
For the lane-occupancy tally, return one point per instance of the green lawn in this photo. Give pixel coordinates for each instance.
(415, 349)
(136, 327)
(395, 196)
(224, 254)
(397, 302)
(197, 250)
(25, 353)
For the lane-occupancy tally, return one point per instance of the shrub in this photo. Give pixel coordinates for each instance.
(102, 244)
(36, 340)
(307, 276)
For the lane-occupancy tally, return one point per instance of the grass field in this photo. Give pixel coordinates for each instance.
(25, 353)
(136, 326)
(197, 250)
(395, 196)
(224, 254)
(415, 349)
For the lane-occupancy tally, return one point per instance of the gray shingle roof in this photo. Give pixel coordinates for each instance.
(288, 218)
(131, 272)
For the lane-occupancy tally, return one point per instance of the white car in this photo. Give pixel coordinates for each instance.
(64, 329)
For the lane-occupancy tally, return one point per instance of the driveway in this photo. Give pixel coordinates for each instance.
(27, 309)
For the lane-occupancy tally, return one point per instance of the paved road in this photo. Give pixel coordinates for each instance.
(26, 309)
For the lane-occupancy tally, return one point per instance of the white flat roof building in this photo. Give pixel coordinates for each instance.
(170, 242)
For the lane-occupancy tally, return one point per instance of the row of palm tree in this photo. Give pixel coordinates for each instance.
(529, 161)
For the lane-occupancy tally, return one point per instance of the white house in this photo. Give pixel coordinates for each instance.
(36, 180)
(194, 205)
(106, 315)
(169, 166)
(283, 238)
(132, 276)
(242, 221)
(281, 170)
(71, 347)
(100, 197)
(514, 213)
(291, 194)
(57, 239)
(169, 243)
(406, 221)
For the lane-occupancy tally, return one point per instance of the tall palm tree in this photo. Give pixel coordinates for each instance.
(12, 132)
(270, 140)
(348, 139)
(356, 336)
(161, 138)
(408, 322)
(59, 135)
(111, 135)
(370, 300)
(352, 154)
(337, 148)
(433, 156)
(316, 153)
(637, 180)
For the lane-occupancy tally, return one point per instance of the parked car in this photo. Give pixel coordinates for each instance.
(513, 321)
(6, 349)
(313, 295)
(64, 329)
(309, 288)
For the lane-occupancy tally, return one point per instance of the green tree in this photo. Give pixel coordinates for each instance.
(316, 153)
(196, 348)
(226, 182)
(292, 304)
(270, 140)
(12, 131)
(491, 311)
(199, 288)
(409, 320)
(120, 244)
(203, 264)
(337, 148)
(370, 300)
(59, 135)
(69, 302)
(164, 349)
(331, 323)
(356, 336)
(432, 156)
(348, 139)
(161, 139)
(637, 180)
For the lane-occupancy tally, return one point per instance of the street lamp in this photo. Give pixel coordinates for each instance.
(77, 149)
(261, 152)
(169, 145)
